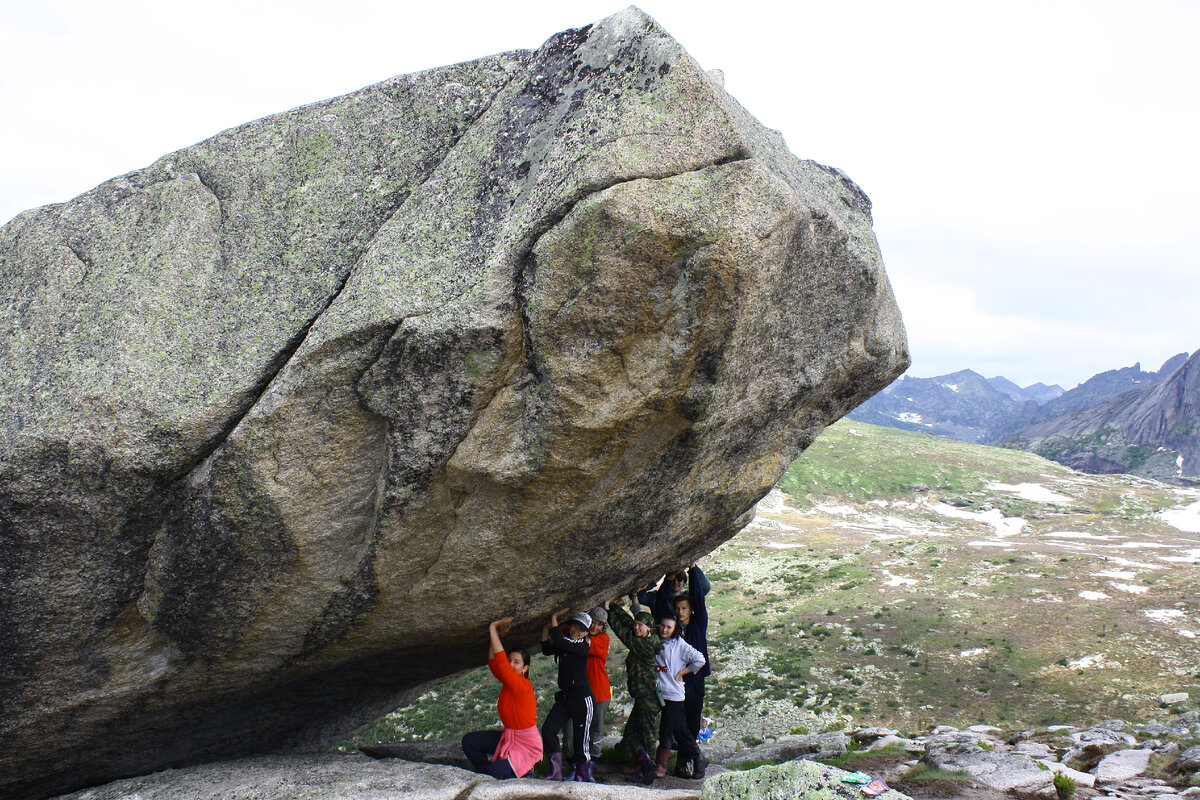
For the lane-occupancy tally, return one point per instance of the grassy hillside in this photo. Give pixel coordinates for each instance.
(901, 579)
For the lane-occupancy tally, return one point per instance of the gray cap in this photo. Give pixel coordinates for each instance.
(600, 615)
(584, 619)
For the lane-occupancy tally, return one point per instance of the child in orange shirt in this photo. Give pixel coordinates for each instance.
(597, 672)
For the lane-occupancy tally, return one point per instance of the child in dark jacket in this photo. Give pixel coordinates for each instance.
(573, 700)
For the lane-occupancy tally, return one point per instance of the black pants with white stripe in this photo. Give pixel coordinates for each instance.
(576, 709)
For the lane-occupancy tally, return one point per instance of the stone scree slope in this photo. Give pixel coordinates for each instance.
(291, 414)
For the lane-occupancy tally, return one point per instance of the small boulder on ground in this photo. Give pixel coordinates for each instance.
(911, 745)
(1080, 778)
(1173, 698)
(1095, 743)
(795, 780)
(864, 736)
(1122, 765)
(817, 745)
(991, 764)
(1189, 760)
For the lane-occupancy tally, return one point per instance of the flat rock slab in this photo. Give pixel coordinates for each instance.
(819, 745)
(1003, 772)
(1122, 765)
(437, 751)
(328, 777)
(352, 777)
(1080, 778)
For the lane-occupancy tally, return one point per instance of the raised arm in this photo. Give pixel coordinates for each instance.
(622, 623)
(495, 629)
(664, 603)
(699, 586)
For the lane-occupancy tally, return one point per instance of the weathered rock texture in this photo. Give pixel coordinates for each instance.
(290, 414)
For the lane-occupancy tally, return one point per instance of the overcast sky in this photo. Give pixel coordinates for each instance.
(1033, 165)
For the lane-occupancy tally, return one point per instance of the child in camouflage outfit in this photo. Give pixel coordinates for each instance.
(641, 675)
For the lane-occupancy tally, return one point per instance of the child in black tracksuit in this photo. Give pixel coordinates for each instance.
(573, 700)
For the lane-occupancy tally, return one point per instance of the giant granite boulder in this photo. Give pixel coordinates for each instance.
(291, 414)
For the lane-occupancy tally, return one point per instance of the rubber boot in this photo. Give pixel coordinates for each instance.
(555, 767)
(644, 768)
(664, 755)
(583, 772)
(701, 765)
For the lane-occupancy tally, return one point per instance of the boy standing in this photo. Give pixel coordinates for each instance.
(641, 676)
(573, 700)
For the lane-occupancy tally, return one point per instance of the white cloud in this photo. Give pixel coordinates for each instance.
(948, 330)
(1033, 167)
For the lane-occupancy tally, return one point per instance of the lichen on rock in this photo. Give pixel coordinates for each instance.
(791, 780)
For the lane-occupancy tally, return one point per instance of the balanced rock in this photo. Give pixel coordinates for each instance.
(291, 414)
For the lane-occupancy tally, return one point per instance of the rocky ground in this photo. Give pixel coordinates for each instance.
(1111, 760)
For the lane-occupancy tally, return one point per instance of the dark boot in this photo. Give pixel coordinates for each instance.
(644, 768)
(683, 768)
(555, 767)
(584, 772)
(701, 764)
(663, 756)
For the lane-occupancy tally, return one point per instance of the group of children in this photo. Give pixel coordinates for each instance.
(665, 672)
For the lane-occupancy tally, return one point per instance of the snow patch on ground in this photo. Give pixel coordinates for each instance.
(1076, 535)
(1190, 557)
(1088, 594)
(898, 580)
(1130, 588)
(1087, 662)
(760, 524)
(776, 502)
(1164, 614)
(1122, 575)
(1185, 519)
(1125, 562)
(1004, 526)
(978, 651)
(1031, 491)
(836, 511)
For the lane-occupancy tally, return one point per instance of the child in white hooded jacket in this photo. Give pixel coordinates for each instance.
(677, 659)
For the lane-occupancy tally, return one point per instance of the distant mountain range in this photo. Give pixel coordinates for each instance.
(1123, 420)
